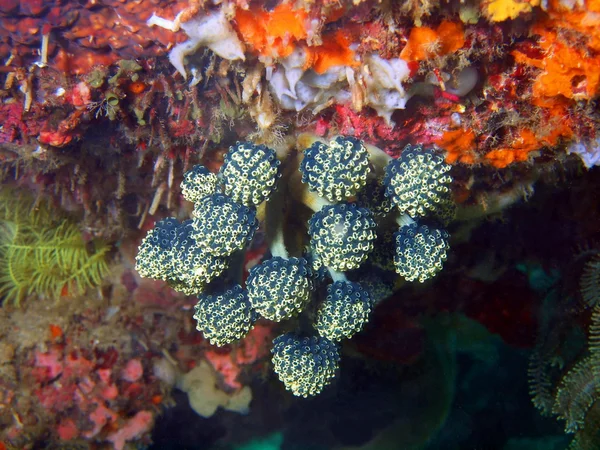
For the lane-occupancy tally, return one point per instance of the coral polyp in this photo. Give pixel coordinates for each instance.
(305, 365)
(342, 235)
(280, 288)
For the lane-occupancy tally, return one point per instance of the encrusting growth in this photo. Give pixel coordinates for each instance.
(201, 256)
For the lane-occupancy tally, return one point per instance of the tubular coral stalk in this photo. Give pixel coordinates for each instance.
(404, 220)
(378, 158)
(336, 275)
(143, 218)
(274, 225)
(301, 193)
(170, 183)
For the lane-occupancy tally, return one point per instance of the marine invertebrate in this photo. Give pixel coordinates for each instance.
(420, 251)
(155, 257)
(296, 88)
(224, 316)
(565, 70)
(191, 264)
(578, 391)
(589, 152)
(418, 184)
(335, 171)
(223, 226)
(305, 365)
(342, 235)
(383, 81)
(344, 311)
(44, 254)
(519, 149)
(340, 238)
(590, 281)
(334, 51)
(426, 43)
(501, 10)
(201, 386)
(249, 173)
(272, 34)
(373, 198)
(198, 183)
(460, 146)
(213, 31)
(570, 389)
(279, 288)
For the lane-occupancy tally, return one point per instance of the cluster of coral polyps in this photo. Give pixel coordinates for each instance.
(336, 249)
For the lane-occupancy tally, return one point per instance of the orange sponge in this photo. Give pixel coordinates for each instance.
(425, 43)
(334, 51)
(274, 33)
(459, 145)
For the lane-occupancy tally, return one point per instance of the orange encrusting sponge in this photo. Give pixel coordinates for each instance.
(274, 33)
(517, 151)
(566, 71)
(459, 145)
(334, 51)
(425, 43)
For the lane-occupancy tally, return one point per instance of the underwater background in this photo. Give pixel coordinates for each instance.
(299, 224)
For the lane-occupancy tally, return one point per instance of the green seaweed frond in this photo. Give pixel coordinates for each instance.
(43, 254)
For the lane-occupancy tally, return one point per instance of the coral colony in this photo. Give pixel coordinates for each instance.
(194, 256)
(197, 193)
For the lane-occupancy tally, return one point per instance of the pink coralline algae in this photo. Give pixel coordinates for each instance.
(252, 348)
(89, 401)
